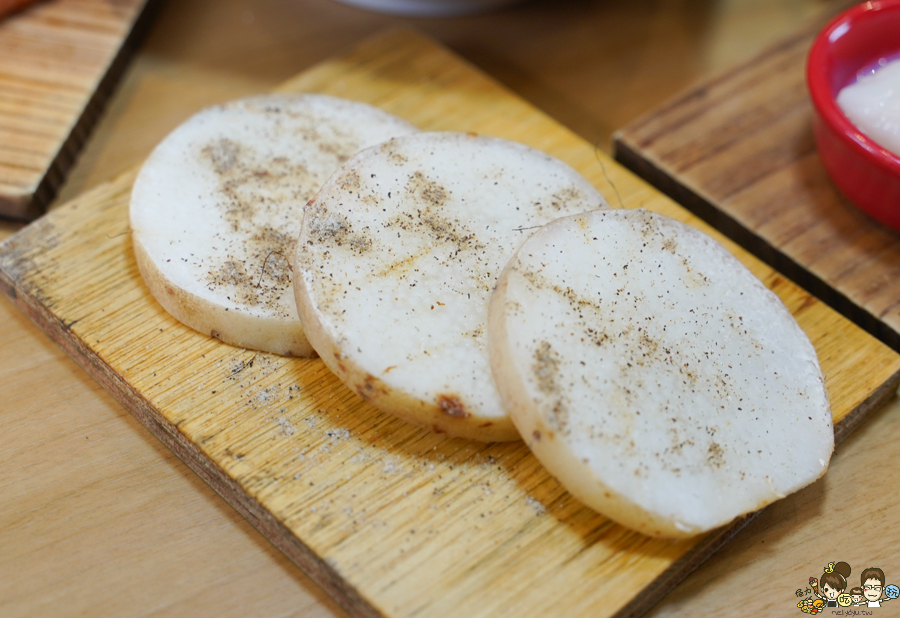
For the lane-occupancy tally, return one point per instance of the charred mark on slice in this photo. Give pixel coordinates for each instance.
(371, 388)
(452, 406)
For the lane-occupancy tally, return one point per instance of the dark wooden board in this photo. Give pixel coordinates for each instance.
(738, 151)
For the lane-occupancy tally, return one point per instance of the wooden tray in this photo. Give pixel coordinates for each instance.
(390, 519)
(59, 61)
(738, 151)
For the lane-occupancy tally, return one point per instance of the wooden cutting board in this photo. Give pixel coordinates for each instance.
(738, 151)
(390, 519)
(59, 61)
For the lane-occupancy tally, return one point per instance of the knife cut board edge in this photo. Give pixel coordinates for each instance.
(30, 206)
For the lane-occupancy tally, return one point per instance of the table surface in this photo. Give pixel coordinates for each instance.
(97, 518)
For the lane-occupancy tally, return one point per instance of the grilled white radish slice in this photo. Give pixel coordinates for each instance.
(396, 261)
(216, 209)
(654, 375)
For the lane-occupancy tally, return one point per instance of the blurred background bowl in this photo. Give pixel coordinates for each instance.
(866, 173)
(429, 8)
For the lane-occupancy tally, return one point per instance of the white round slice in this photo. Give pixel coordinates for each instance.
(654, 375)
(396, 261)
(216, 208)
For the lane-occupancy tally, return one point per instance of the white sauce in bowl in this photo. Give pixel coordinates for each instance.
(872, 104)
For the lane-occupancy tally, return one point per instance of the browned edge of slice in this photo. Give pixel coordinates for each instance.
(30, 207)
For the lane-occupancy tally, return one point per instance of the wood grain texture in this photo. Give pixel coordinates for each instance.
(391, 520)
(59, 61)
(83, 529)
(738, 150)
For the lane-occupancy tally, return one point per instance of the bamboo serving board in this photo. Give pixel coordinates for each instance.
(392, 520)
(59, 60)
(738, 151)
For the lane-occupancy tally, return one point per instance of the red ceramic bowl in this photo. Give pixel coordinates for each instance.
(866, 173)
